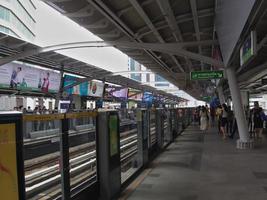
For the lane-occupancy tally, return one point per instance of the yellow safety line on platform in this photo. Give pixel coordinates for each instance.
(132, 187)
(134, 184)
(48, 117)
(80, 115)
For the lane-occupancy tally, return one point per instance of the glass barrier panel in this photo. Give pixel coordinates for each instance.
(152, 132)
(42, 156)
(128, 144)
(82, 151)
(165, 129)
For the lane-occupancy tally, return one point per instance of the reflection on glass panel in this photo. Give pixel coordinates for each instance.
(165, 129)
(82, 151)
(128, 143)
(42, 158)
(152, 120)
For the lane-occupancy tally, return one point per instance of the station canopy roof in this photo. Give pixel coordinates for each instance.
(157, 22)
(10, 46)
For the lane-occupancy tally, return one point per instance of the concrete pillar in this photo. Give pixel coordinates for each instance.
(244, 141)
(221, 95)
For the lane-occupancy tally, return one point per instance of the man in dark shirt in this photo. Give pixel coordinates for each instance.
(256, 117)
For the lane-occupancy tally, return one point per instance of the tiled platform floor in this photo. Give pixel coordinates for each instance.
(200, 166)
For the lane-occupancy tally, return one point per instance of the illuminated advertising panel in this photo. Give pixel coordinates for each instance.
(23, 77)
(8, 162)
(135, 95)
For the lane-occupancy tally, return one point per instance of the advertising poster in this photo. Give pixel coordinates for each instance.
(135, 95)
(8, 162)
(81, 89)
(148, 97)
(95, 89)
(22, 77)
(121, 93)
(113, 133)
(92, 88)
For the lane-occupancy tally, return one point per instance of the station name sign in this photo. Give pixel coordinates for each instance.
(206, 75)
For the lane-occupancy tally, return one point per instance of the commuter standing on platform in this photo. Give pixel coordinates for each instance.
(212, 116)
(203, 119)
(230, 120)
(219, 117)
(198, 114)
(257, 117)
(224, 117)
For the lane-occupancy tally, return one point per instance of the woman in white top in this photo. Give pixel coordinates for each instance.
(203, 119)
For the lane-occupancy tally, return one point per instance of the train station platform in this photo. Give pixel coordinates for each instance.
(201, 166)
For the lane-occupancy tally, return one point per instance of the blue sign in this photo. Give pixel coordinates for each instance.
(148, 99)
(99, 103)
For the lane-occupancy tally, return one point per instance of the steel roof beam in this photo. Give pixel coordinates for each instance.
(144, 16)
(103, 9)
(168, 48)
(179, 19)
(86, 11)
(196, 25)
(170, 18)
(56, 1)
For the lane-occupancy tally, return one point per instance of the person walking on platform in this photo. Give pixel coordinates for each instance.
(198, 114)
(203, 119)
(230, 119)
(257, 117)
(212, 116)
(219, 117)
(224, 117)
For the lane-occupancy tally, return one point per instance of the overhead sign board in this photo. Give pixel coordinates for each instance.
(248, 49)
(206, 98)
(206, 75)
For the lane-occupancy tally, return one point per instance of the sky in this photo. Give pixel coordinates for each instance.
(54, 28)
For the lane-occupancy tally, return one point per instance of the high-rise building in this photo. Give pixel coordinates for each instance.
(17, 18)
(134, 66)
(146, 76)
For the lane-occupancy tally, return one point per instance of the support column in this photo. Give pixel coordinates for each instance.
(244, 141)
(221, 96)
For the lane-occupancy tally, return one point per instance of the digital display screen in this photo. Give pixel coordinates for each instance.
(135, 95)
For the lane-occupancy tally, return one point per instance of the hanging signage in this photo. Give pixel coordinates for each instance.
(206, 98)
(206, 75)
(23, 77)
(135, 94)
(248, 49)
(8, 162)
(95, 89)
(91, 88)
(120, 93)
(81, 89)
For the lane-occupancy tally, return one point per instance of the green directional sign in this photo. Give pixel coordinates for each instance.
(206, 75)
(206, 98)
